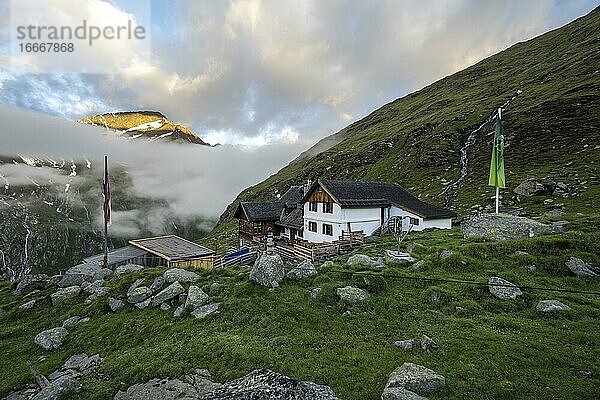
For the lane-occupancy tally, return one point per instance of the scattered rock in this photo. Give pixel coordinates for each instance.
(51, 339)
(531, 187)
(520, 253)
(303, 270)
(361, 259)
(136, 284)
(435, 297)
(503, 289)
(266, 384)
(182, 298)
(171, 291)
(201, 380)
(77, 366)
(29, 283)
(59, 389)
(127, 269)
(428, 344)
(195, 298)
(71, 322)
(399, 393)
(26, 306)
(327, 264)
(53, 280)
(204, 311)
(160, 389)
(64, 294)
(83, 320)
(165, 306)
(2, 312)
(178, 311)
(351, 294)
(579, 267)
(346, 313)
(214, 286)
(143, 304)
(445, 254)
(313, 293)
(138, 295)
(502, 227)
(554, 213)
(115, 305)
(531, 268)
(552, 305)
(180, 275)
(416, 378)
(157, 284)
(83, 273)
(405, 344)
(418, 265)
(399, 258)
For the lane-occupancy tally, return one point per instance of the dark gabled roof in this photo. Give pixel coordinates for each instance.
(260, 212)
(117, 255)
(295, 219)
(292, 196)
(172, 247)
(378, 194)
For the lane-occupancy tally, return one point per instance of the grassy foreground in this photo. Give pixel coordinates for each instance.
(490, 349)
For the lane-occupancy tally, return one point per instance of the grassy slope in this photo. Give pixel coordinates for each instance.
(415, 140)
(492, 349)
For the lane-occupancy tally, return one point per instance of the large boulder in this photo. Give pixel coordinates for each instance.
(531, 187)
(29, 283)
(51, 339)
(351, 294)
(502, 227)
(503, 289)
(399, 393)
(303, 270)
(361, 259)
(416, 378)
(579, 267)
(59, 388)
(268, 270)
(83, 273)
(171, 291)
(552, 305)
(268, 385)
(180, 275)
(64, 294)
(195, 298)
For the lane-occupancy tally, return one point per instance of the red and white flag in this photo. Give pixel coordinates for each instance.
(106, 192)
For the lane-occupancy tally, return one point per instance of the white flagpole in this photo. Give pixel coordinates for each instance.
(497, 188)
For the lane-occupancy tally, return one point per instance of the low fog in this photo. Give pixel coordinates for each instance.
(194, 180)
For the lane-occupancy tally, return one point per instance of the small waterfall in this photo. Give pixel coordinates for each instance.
(452, 189)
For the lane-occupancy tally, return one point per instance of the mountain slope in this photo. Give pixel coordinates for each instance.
(548, 87)
(150, 125)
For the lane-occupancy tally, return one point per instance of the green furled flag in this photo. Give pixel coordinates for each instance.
(497, 164)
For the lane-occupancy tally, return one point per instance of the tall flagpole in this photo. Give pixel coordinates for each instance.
(105, 207)
(497, 188)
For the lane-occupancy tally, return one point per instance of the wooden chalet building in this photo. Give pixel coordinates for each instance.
(329, 210)
(255, 219)
(170, 251)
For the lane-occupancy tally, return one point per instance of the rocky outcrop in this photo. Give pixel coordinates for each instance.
(265, 384)
(303, 270)
(502, 227)
(551, 305)
(503, 289)
(51, 339)
(64, 294)
(180, 275)
(83, 273)
(192, 386)
(351, 294)
(168, 293)
(59, 389)
(29, 283)
(579, 267)
(416, 378)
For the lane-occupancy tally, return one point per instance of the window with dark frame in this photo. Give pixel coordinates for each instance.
(328, 207)
(414, 221)
(312, 206)
(312, 226)
(327, 230)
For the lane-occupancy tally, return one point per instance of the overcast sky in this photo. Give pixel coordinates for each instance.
(277, 72)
